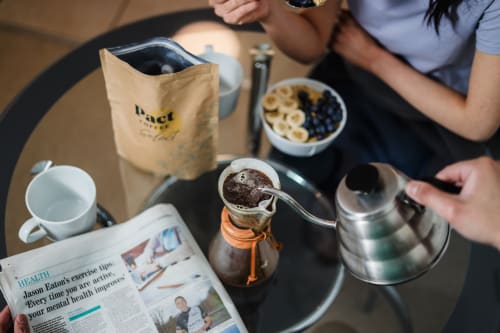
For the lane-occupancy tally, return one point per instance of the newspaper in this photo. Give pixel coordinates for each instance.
(144, 275)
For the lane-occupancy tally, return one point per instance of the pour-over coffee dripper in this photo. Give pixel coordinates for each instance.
(384, 237)
(255, 218)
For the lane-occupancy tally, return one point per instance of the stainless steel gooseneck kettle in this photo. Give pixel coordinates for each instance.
(384, 237)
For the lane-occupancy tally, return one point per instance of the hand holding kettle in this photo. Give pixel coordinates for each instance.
(475, 213)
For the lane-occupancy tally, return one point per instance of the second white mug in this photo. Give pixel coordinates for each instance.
(230, 79)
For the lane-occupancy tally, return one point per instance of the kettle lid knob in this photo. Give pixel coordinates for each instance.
(363, 179)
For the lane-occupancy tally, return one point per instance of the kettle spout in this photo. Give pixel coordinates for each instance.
(286, 198)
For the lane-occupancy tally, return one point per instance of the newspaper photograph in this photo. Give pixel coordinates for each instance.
(144, 275)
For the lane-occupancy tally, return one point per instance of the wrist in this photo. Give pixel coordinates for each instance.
(267, 17)
(376, 60)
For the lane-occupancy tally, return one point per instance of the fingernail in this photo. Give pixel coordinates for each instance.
(412, 188)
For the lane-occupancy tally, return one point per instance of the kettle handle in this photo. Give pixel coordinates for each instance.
(442, 185)
(438, 183)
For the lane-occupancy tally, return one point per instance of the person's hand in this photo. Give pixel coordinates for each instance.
(353, 43)
(240, 11)
(20, 322)
(475, 212)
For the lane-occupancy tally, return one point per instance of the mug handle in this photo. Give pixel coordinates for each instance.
(26, 233)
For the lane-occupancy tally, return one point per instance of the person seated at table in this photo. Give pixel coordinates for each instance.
(420, 79)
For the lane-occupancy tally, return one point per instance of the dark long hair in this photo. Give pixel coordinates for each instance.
(439, 8)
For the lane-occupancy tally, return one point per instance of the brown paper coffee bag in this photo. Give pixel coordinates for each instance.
(164, 107)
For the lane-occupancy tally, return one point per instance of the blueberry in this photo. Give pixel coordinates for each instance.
(330, 127)
(333, 100)
(305, 104)
(321, 129)
(306, 3)
(324, 108)
(301, 3)
(330, 111)
(337, 117)
(315, 121)
(303, 95)
(327, 94)
(320, 136)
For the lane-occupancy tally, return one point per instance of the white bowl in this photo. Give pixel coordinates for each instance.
(308, 148)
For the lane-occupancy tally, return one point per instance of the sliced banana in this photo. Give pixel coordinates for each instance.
(289, 103)
(296, 118)
(284, 91)
(285, 111)
(297, 134)
(281, 127)
(273, 116)
(313, 139)
(271, 101)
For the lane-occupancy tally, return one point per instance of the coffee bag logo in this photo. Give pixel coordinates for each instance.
(163, 122)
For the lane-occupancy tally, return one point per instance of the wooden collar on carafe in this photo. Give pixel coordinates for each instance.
(245, 238)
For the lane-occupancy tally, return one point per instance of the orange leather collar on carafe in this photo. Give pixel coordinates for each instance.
(242, 257)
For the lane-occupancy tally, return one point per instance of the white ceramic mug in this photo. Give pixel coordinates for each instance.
(62, 203)
(230, 79)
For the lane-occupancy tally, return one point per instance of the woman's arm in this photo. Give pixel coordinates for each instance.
(302, 35)
(475, 116)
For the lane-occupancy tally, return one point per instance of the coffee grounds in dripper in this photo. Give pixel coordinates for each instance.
(241, 188)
